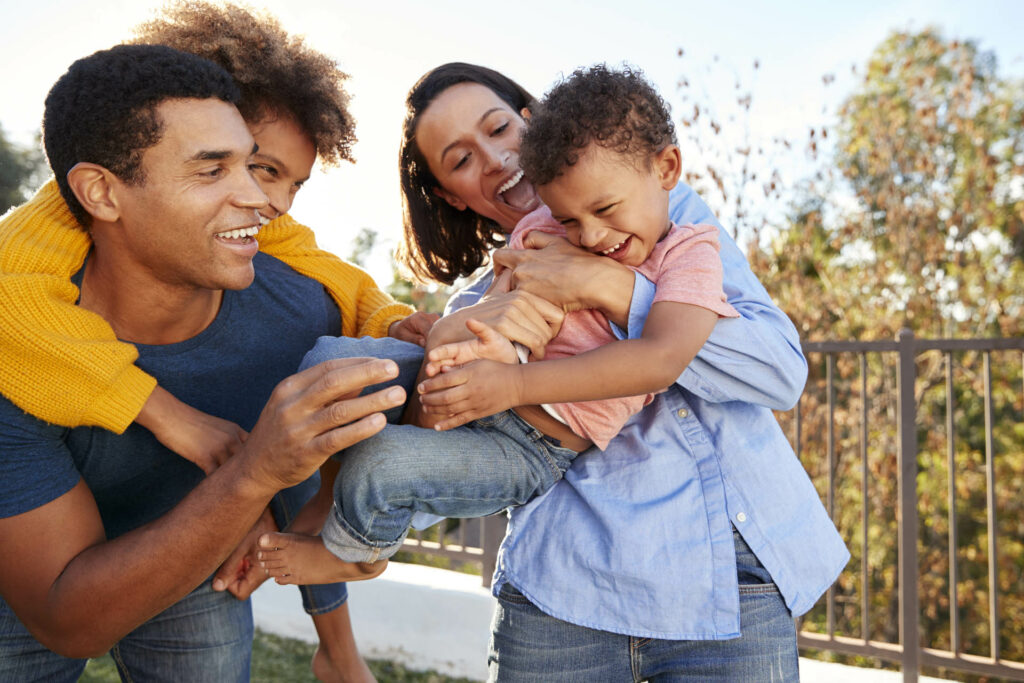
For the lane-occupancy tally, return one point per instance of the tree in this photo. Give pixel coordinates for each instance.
(921, 226)
(21, 170)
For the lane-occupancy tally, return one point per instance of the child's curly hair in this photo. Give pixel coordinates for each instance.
(276, 73)
(618, 110)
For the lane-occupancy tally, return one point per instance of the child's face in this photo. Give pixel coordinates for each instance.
(609, 206)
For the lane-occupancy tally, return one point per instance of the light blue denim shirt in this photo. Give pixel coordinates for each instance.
(638, 539)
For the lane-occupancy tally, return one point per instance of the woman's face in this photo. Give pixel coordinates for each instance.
(282, 163)
(470, 139)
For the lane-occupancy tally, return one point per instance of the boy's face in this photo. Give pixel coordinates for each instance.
(611, 207)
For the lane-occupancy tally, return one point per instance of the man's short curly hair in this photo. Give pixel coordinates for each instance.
(103, 110)
(277, 73)
(618, 110)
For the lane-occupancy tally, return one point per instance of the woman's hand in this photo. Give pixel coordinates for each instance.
(568, 276)
(518, 315)
(413, 329)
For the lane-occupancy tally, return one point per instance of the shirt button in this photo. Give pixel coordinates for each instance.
(683, 412)
(741, 517)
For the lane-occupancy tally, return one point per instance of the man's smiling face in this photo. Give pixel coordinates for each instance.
(192, 221)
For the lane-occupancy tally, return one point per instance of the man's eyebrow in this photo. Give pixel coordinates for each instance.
(485, 115)
(217, 154)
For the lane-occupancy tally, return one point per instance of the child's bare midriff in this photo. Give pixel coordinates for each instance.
(550, 427)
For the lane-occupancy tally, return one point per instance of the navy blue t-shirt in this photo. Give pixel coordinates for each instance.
(229, 369)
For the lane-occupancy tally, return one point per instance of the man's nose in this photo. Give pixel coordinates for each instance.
(249, 194)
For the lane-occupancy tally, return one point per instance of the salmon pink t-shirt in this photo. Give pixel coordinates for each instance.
(684, 267)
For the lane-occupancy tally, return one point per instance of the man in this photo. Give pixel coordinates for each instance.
(110, 539)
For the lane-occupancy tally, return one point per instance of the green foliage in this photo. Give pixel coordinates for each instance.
(21, 170)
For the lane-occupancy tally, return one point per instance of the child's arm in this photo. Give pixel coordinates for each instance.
(672, 336)
(415, 328)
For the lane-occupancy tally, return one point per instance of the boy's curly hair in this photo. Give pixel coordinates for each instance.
(276, 73)
(618, 110)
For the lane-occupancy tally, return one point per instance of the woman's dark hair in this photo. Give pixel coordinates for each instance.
(103, 110)
(618, 110)
(441, 243)
(278, 74)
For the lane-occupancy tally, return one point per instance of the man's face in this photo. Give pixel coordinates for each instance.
(192, 221)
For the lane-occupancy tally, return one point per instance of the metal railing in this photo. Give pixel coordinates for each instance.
(477, 540)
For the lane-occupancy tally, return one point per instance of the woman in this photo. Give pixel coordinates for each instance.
(697, 517)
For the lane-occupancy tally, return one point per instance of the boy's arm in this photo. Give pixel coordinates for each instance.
(672, 336)
(366, 310)
(61, 363)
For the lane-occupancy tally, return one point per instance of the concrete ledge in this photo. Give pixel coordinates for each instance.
(427, 618)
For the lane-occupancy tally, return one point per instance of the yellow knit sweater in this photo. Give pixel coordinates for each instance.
(64, 364)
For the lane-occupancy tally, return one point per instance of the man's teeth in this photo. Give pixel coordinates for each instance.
(239, 233)
(511, 182)
(611, 249)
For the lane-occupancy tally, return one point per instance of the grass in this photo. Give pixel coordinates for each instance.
(284, 660)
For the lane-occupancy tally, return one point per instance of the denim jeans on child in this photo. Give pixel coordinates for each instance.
(528, 645)
(475, 470)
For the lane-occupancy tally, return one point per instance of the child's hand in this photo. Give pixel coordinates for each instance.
(206, 440)
(489, 344)
(413, 329)
(475, 390)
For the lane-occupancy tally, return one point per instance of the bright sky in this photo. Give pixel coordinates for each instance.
(387, 45)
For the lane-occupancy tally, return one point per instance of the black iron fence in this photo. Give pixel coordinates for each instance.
(879, 425)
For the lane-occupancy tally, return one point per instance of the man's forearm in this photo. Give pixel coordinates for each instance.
(110, 588)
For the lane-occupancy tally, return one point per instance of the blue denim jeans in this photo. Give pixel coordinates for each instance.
(206, 636)
(528, 645)
(475, 470)
(472, 471)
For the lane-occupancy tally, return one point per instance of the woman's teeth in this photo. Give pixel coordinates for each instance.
(511, 182)
(239, 233)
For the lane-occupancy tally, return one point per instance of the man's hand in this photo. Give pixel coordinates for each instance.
(241, 573)
(519, 316)
(316, 413)
(476, 390)
(206, 440)
(413, 329)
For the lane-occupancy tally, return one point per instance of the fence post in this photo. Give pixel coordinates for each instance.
(493, 532)
(906, 465)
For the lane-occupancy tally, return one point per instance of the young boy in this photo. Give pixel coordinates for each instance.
(601, 151)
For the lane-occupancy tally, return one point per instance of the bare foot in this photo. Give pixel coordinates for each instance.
(325, 669)
(302, 560)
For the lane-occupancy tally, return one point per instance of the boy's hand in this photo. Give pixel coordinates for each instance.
(488, 344)
(203, 439)
(479, 389)
(414, 329)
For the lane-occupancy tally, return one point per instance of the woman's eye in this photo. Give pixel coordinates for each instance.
(461, 162)
(500, 129)
(604, 209)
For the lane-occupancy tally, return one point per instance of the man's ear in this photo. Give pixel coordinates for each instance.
(450, 198)
(668, 163)
(92, 185)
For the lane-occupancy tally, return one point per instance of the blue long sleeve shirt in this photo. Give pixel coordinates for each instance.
(638, 539)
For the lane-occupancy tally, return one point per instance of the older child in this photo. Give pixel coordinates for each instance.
(607, 180)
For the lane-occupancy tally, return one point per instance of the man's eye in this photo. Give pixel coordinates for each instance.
(213, 172)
